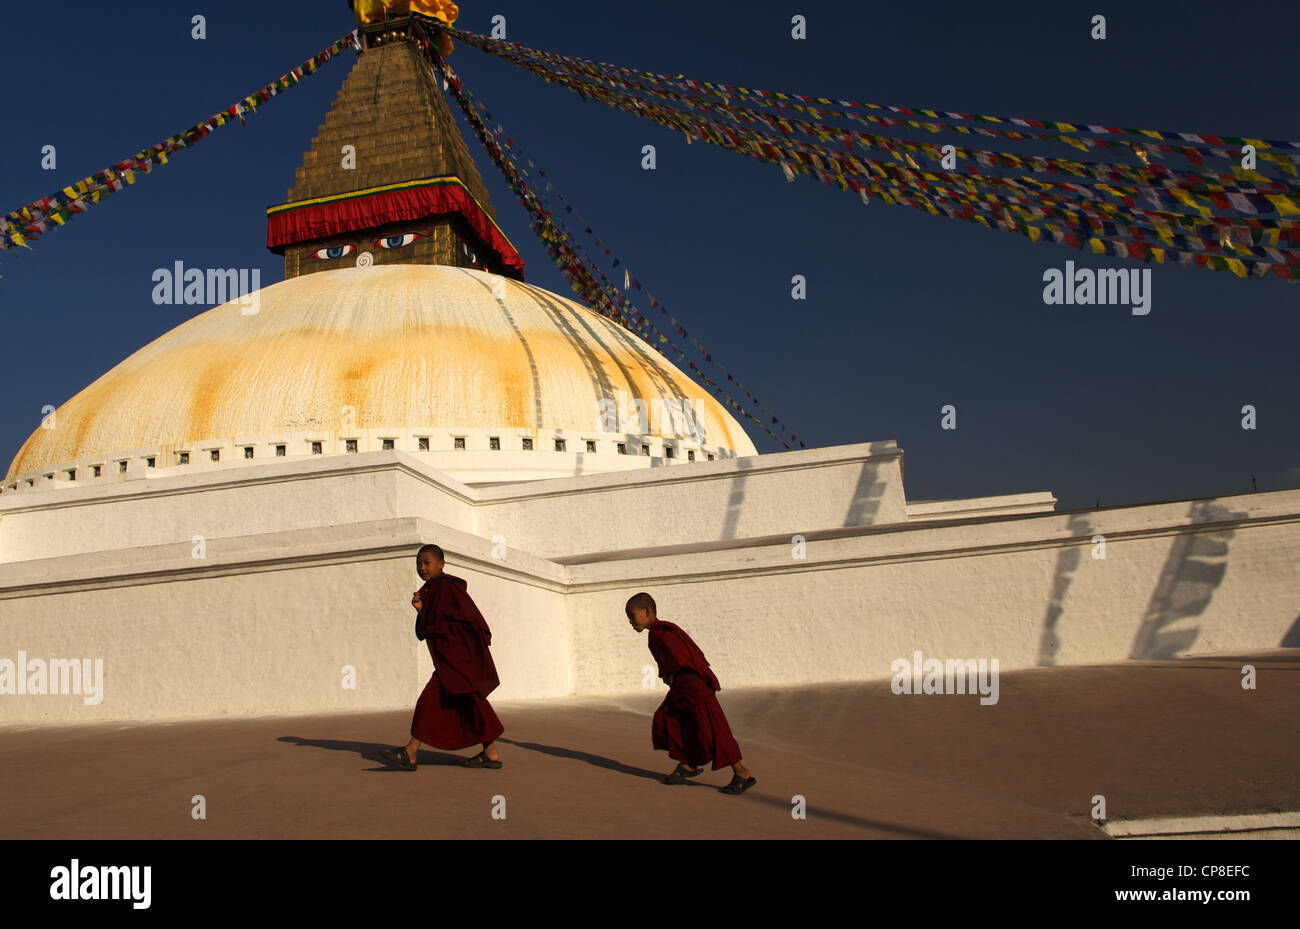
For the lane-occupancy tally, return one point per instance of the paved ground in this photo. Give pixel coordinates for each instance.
(1155, 738)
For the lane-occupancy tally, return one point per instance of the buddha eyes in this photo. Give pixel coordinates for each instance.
(331, 252)
(397, 241)
(334, 251)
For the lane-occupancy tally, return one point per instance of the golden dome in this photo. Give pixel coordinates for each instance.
(383, 347)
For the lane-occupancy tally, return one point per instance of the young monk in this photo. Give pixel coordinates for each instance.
(689, 724)
(453, 712)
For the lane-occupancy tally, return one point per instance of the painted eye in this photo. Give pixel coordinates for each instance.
(397, 241)
(333, 251)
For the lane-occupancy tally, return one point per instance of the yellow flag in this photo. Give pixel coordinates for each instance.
(1246, 174)
(1187, 199)
(1285, 205)
(1286, 164)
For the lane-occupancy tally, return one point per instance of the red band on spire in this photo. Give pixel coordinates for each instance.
(326, 217)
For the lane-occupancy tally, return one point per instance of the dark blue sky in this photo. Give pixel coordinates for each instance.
(906, 311)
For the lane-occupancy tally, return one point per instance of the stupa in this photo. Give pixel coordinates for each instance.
(228, 518)
(403, 322)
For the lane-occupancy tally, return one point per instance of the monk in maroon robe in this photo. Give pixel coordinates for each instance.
(453, 712)
(689, 724)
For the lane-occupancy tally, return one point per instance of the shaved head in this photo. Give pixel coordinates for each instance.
(437, 552)
(641, 601)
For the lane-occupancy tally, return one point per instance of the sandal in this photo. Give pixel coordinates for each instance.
(398, 757)
(739, 785)
(680, 773)
(481, 760)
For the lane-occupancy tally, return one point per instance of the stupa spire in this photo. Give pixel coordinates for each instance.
(389, 178)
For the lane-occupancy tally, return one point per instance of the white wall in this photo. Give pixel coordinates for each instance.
(1178, 578)
(215, 504)
(264, 625)
(850, 485)
(687, 501)
(305, 571)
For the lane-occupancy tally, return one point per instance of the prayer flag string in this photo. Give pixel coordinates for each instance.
(1102, 214)
(693, 91)
(19, 227)
(586, 279)
(630, 282)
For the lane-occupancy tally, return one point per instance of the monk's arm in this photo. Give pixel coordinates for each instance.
(422, 618)
(665, 657)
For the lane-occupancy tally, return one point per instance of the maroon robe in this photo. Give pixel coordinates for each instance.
(453, 711)
(689, 724)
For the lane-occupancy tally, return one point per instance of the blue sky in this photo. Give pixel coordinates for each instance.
(906, 312)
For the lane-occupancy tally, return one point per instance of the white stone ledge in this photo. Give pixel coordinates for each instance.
(693, 563)
(927, 541)
(1176, 826)
(773, 463)
(266, 472)
(275, 551)
(510, 461)
(168, 481)
(923, 510)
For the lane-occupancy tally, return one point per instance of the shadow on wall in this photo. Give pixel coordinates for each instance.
(1067, 562)
(1195, 567)
(528, 350)
(866, 496)
(863, 507)
(737, 499)
(567, 321)
(1292, 637)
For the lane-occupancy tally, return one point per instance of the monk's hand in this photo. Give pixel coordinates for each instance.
(416, 601)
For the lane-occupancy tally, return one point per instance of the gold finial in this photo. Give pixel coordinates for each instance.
(373, 11)
(377, 11)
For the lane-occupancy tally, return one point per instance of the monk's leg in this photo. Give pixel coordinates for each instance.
(489, 749)
(741, 770)
(413, 749)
